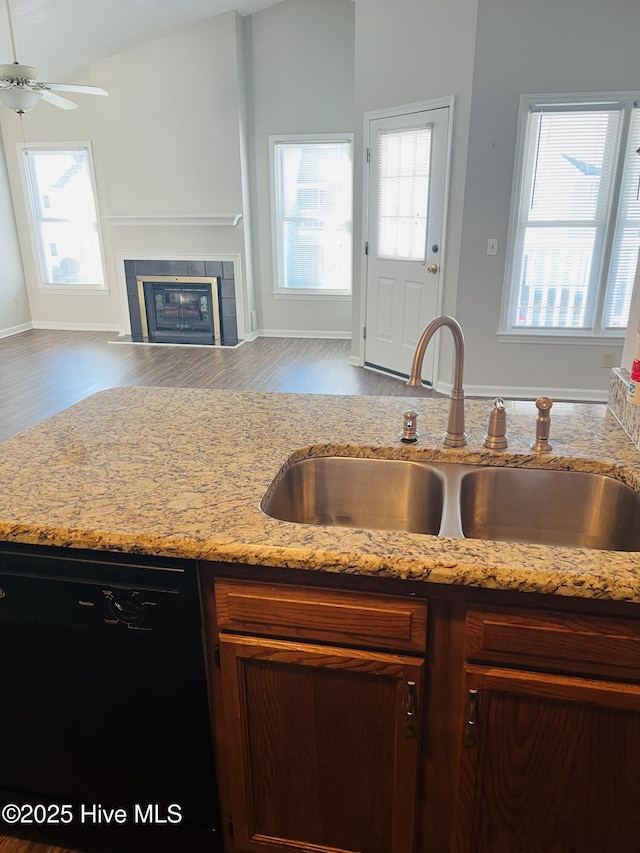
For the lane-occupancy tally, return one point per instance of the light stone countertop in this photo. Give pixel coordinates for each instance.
(181, 472)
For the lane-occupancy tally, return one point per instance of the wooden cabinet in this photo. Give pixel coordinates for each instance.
(321, 740)
(344, 726)
(549, 762)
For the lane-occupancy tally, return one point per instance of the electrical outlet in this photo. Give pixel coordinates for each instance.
(608, 359)
(16, 304)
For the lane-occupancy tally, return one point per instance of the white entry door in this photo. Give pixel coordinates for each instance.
(408, 171)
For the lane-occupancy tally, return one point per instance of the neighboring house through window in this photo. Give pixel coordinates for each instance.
(61, 189)
(311, 190)
(575, 220)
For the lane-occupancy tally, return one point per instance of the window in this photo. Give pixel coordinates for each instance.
(575, 225)
(312, 214)
(403, 198)
(64, 215)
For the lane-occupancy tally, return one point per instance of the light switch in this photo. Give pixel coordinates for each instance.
(492, 246)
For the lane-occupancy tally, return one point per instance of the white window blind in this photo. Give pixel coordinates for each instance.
(312, 185)
(65, 218)
(576, 237)
(624, 254)
(405, 160)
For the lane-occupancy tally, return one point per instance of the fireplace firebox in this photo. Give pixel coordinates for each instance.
(179, 309)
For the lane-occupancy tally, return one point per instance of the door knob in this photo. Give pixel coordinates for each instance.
(432, 268)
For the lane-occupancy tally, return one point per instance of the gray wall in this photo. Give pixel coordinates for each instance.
(167, 159)
(14, 304)
(299, 62)
(362, 56)
(525, 48)
(408, 51)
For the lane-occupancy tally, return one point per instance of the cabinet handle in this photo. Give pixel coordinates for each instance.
(470, 735)
(411, 709)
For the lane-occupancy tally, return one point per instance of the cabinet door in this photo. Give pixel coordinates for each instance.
(549, 765)
(322, 746)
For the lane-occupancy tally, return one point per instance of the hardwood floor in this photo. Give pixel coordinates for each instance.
(43, 372)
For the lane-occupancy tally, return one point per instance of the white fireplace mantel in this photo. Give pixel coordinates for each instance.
(230, 220)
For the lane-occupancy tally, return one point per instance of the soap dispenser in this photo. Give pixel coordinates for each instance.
(495, 437)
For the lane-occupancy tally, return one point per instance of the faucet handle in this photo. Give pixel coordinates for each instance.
(543, 425)
(496, 436)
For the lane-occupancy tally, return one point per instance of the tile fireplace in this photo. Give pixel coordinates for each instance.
(191, 302)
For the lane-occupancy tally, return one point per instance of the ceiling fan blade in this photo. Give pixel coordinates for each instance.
(72, 87)
(57, 101)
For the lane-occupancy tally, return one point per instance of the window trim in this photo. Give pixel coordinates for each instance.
(597, 334)
(42, 285)
(307, 294)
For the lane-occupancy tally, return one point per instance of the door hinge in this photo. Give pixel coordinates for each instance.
(230, 827)
(368, 155)
(216, 655)
(364, 333)
(366, 248)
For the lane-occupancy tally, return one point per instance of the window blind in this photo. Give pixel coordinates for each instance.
(624, 255)
(567, 188)
(64, 214)
(313, 215)
(403, 193)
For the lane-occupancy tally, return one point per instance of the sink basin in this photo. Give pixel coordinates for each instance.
(526, 505)
(377, 494)
(573, 508)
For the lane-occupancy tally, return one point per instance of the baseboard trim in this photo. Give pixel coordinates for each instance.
(77, 327)
(303, 333)
(15, 330)
(580, 395)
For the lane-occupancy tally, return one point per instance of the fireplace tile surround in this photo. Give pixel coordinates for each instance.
(222, 270)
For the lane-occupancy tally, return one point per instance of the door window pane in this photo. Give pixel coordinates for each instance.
(405, 159)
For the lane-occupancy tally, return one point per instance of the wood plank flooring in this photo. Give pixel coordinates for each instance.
(43, 372)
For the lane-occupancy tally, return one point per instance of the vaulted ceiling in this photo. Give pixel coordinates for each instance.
(62, 37)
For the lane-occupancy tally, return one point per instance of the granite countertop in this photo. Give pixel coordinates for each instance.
(181, 472)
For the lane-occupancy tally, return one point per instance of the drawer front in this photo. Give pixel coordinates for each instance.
(583, 645)
(325, 615)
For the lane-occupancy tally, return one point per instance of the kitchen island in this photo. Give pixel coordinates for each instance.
(498, 683)
(181, 473)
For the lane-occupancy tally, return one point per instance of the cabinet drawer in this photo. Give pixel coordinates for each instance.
(377, 621)
(582, 645)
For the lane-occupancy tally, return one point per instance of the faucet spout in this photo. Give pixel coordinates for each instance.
(455, 435)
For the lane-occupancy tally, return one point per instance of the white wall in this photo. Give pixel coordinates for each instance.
(408, 51)
(14, 303)
(299, 60)
(166, 143)
(524, 47)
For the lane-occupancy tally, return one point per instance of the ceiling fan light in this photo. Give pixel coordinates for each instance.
(20, 99)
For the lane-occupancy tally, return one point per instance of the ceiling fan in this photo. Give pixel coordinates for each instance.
(20, 88)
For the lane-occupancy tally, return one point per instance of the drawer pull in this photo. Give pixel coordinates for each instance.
(470, 736)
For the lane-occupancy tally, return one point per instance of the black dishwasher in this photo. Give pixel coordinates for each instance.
(104, 714)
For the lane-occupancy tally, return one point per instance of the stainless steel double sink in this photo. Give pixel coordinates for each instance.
(526, 505)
